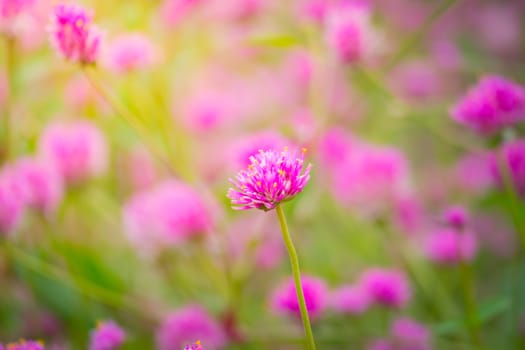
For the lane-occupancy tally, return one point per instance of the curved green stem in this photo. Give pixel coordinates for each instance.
(294, 261)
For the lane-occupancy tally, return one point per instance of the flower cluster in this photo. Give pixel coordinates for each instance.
(271, 178)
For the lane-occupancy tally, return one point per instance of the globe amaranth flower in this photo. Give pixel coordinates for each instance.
(271, 178)
(73, 35)
(194, 346)
(492, 104)
(187, 324)
(107, 336)
(24, 345)
(284, 299)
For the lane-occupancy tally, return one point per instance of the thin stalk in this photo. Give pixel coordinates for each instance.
(471, 309)
(294, 261)
(10, 77)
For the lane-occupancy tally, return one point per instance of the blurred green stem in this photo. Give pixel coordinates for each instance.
(471, 309)
(294, 261)
(10, 77)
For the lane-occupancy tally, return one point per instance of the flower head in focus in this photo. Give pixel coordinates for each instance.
(271, 178)
(73, 35)
(107, 336)
(492, 104)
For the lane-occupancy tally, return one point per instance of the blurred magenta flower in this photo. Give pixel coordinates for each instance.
(107, 336)
(165, 215)
(448, 246)
(194, 346)
(174, 11)
(24, 345)
(40, 184)
(417, 81)
(10, 11)
(77, 149)
(248, 146)
(284, 298)
(191, 322)
(271, 178)
(410, 335)
(349, 32)
(12, 203)
(456, 216)
(387, 287)
(314, 10)
(140, 170)
(492, 104)
(130, 52)
(73, 35)
(350, 299)
(512, 156)
(473, 173)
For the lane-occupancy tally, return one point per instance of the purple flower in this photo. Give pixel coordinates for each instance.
(187, 324)
(24, 345)
(386, 287)
(194, 346)
(456, 216)
(284, 299)
(271, 178)
(349, 299)
(492, 104)
(9, 14)
(449, 246)
(107, 336)
(410, 335)
(73, 36)
(512, 156)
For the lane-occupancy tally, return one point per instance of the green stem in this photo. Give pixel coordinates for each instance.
(471, 310)
(10, 76)
(294, 261)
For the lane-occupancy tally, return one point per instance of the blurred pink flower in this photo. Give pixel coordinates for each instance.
(473, 173)
(271, 178)
(417, 81)
(165, 215)
(386, 287)
(512, 155)
(73, 35)
(12, 201)
(187, 324)
(350, 299)
(236, 10)
(448, 246)
(24, 345)
(456, 216)
(492, 104)
(130, 52)
(107, 336)
(140, 169)
(349, 32)
(314, 10)
(284, 298)
(174, 11)
(499, 27)
(77, 149)
(241, 150)
(410, 335)
(335, 147)
(410, 214)
(10, 11)
(39, 183)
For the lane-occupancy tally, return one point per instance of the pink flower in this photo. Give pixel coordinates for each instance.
(417, 81)
(39, 183)
(335, 148)
(284, 299)
(73, 35)
(492, 104)
(166, 215)
(350, 299)
(107, 336)
(410, 335)
(456, 216)
(12, 201)
(24, 345)
(10, 10)
(271, 178)
(349, 32)
(243, 149)
(174, 11)
(449, 246)
(187, 324)
(130, 52)
(77, 149)
(473, 173)
(195, 346)
(386, 287)
(512, 156)
(314, 10)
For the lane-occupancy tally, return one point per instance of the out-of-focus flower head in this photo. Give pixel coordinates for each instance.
(10, 11)
(183, 326)
(77, 149)
(130, 52)
(456, 216)
(349, 32)
(350, 299)
(12, 203)
(25, 345)
(492, 104)
(194, 346)
(140, 169)
(473, 173)
(386, 287)
(174, 11)
(511, 156)
(165, 215)
(39, 183)
(284, 298)
(107, 336)
(449, 246)
(73, 35)
(272, 178)
(409, 334)
(418, 81)
(314, 10)
(243, 149)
